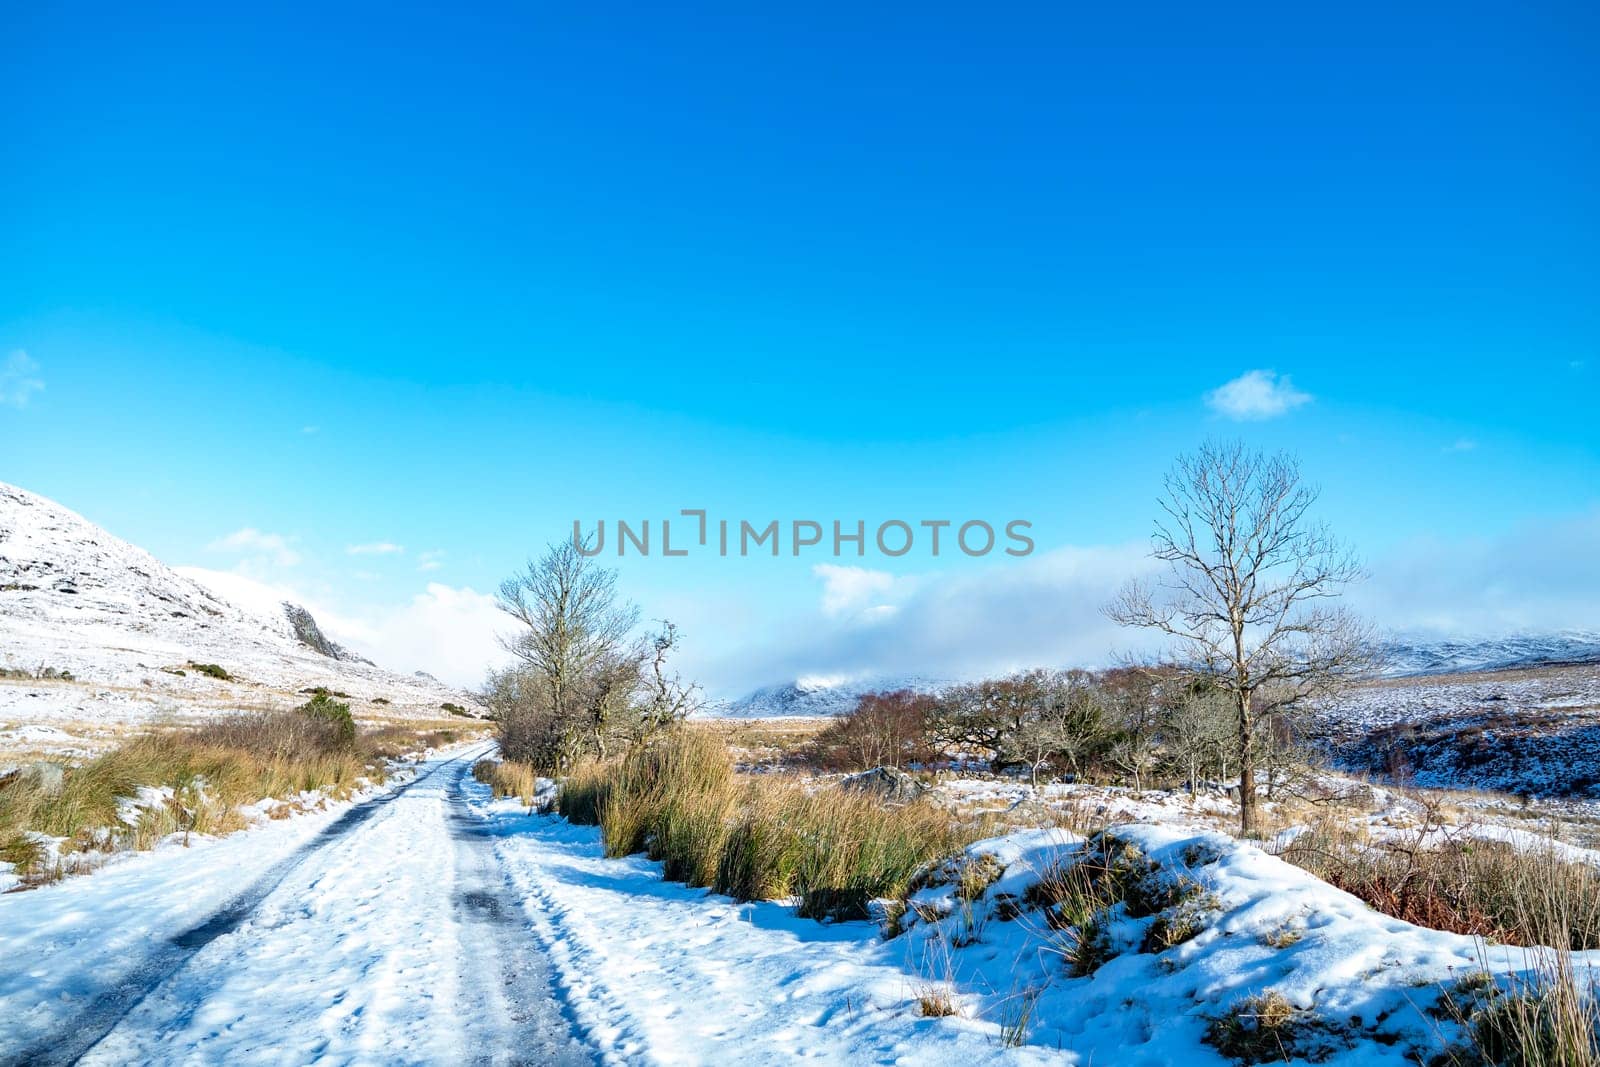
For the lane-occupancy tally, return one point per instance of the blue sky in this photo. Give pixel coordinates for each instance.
(447, 282)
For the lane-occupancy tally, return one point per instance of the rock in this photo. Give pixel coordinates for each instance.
(892, 785)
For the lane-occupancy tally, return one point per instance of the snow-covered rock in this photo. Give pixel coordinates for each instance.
(886, 783)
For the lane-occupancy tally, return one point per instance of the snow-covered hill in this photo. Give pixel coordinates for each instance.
(75, 598)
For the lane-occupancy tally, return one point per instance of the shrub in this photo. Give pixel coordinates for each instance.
(393, 742)
(380, 700)
(883, 730)
(1487, 888)
(452, 708)
(324, 709)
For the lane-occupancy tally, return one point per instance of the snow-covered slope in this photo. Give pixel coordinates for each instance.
(75, 598)
(1407, 657)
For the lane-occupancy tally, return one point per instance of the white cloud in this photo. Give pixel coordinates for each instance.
(19, 379)
(269, 547)
(377, 548)
(431, 560)
(1256, 395)
(1041, 611)
(851, 590)
(1538, 577)
(1046, 610)
(451, 633)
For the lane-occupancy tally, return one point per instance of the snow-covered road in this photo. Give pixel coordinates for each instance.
(385, 933)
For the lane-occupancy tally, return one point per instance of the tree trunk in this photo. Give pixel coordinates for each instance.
(1247, 768)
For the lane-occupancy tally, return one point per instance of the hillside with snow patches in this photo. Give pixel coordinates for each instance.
(77, 600)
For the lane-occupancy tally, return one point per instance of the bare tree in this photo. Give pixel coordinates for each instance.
(571, 620)
(1064, 727)
(1245, 599)
(1129, 694)
(664, 697)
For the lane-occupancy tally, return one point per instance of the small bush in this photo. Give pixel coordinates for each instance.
(452, 708)
(380, 700)
(44, 674)
(1486, 888)
(395, 742)
(323, 708)
(211, 670)
(882, 730)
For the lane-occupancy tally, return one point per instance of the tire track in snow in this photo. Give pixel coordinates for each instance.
(494, 927)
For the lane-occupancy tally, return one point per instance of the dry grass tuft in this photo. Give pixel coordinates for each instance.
(507, 778)
(678, 800)
(1466, 886)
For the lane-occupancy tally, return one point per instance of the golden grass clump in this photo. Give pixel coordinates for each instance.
(678, 800)
(507, 778)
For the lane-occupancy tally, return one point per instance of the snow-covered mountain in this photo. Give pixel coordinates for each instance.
(814, 697)
(1409, 657)
(78, 599)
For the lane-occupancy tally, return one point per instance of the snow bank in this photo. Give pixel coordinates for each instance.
(1213, 921)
